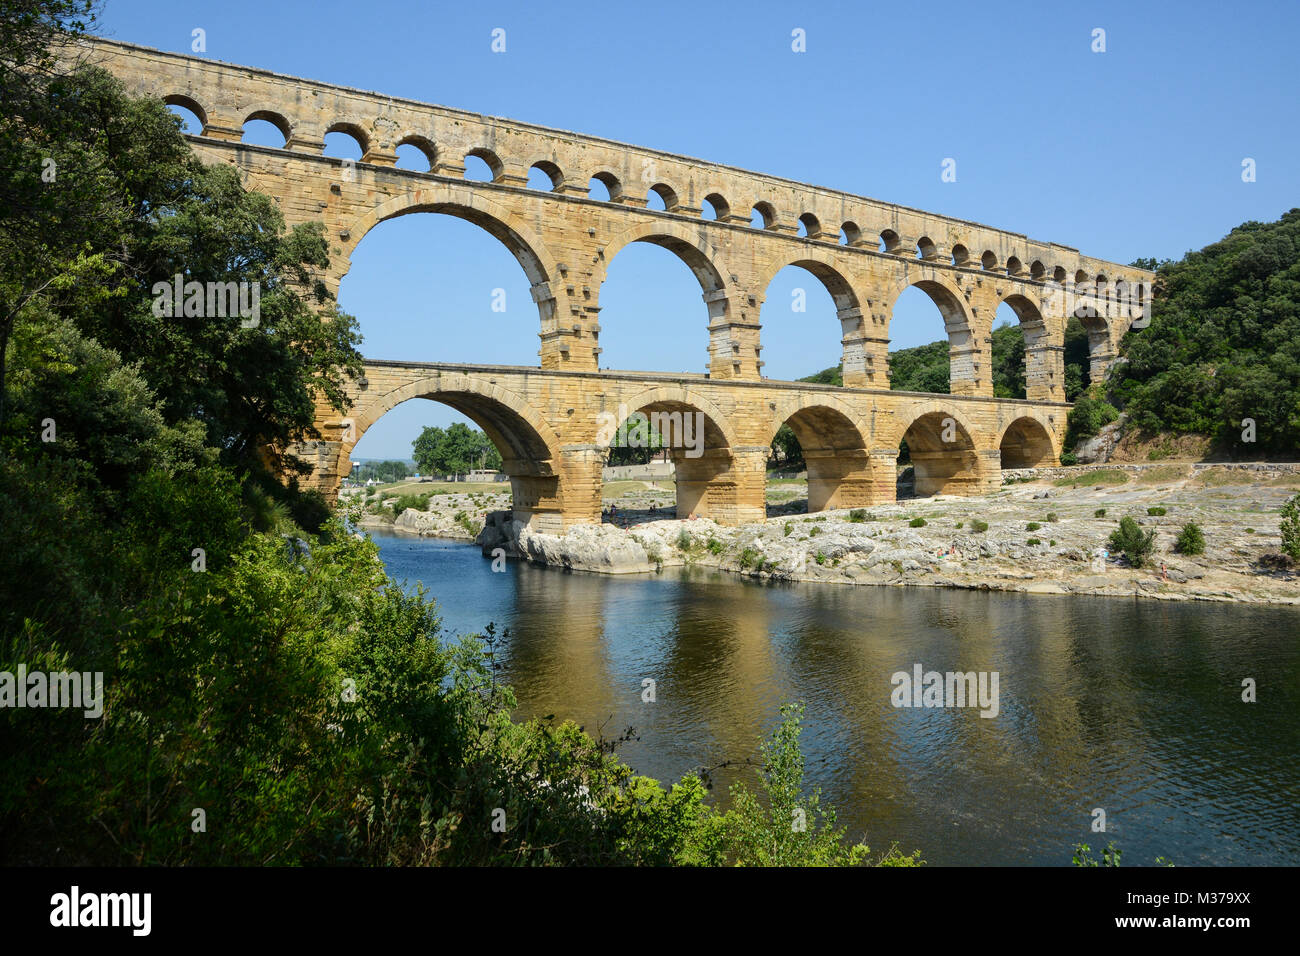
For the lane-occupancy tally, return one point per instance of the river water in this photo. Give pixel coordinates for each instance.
(1133, 707)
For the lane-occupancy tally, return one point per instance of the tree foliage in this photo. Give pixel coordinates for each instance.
(1223, 344)
(455, 450)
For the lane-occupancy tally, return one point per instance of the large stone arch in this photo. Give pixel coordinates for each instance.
(848, 308)
(531, 452)
(966, 376)
(1044, 340)
(528, 445)
(947, 453)
(1028, 441)
(719, 434)
(714, 477)
(464, 202)
(732, 353)
(836, 445)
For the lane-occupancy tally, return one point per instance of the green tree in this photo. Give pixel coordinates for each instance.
(1223, 344)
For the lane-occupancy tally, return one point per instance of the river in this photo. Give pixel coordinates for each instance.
(1130, 706)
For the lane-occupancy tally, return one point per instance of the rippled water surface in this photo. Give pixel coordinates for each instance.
(1131, 706)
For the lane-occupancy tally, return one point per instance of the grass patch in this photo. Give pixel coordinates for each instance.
(1090, 479)
(1153, 476)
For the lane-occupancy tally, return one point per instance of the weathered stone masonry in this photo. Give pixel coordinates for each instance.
(547, 419)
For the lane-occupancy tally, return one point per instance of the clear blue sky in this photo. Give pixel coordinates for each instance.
(1136, 151)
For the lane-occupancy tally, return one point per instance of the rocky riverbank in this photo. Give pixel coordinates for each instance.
(1045, 534)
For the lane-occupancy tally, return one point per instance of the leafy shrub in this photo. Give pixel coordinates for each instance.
(858, 515)
(683, 540)
(1099, 513)
(978, 526)
(1290, 528)
(814, 532)
(1089, 415)
(1033, 542)
(1132, 541)
(1052, 543)
(821, 558)
(1157, 512)
(1191, 540)
(1052, 516)
(749, 557)
(916, 523)
(714, 546)
(1033, 526)
(789, 526)
(959, 524)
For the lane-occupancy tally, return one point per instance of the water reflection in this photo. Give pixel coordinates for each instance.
(1131, 706)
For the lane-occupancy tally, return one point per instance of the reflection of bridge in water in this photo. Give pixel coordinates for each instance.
(545, 420)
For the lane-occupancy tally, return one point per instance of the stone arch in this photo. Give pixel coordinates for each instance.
(989, 261)
(611, 184)
(721, 208)
(943, 449)
(530, 450)
(719, 435)
(493, 161)
(926, 249)
(766, 213)
(188, 103)
(847, 304)
(811, 225)
(354, 130)
(551, 171)
(1044, 350)
(464, 202)
(960, 255)
(528, 445)
(278, 120)
(690, 244)
(703, 452)
(665, 193)
(836, 449)
(964, 378)
(423, 144)
(1027, 442)
(851, 233)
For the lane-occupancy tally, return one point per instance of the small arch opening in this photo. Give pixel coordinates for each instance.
(342, 143)
(605, 187)
(661, 197)
(809, 226)
(989, 261)
(415, 153)
(850, 234)
(714, 207)
(483, 166)
(762, 216)
(264, 128)
(960, 255)
(191, 114)
(545, 175)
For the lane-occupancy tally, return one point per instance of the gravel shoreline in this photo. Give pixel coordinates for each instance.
(1236, 507)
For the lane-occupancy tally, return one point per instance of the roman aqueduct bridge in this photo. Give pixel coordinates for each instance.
(549, 420)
